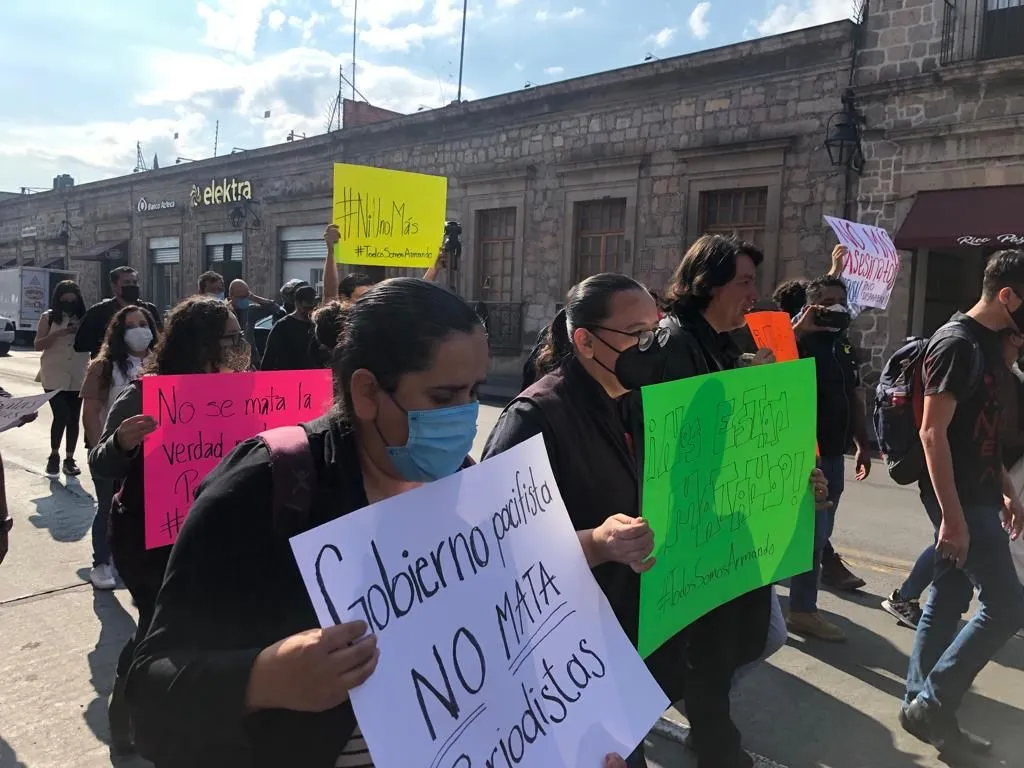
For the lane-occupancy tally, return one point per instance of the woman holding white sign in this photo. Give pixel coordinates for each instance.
(235, 671)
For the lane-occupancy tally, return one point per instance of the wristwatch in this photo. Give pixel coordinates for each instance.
(6, 525)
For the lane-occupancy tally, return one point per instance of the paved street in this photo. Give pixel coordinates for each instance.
(812, 705)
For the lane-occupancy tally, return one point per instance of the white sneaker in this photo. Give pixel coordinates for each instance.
(102, 577)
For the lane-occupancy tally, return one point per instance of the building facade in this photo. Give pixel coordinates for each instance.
(938, 85)
(618, 171)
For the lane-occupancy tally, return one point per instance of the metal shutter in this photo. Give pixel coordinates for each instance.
(313, 250)
(214, 253)
(165, 255)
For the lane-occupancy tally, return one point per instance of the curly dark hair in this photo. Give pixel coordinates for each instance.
(819, 284)
(709, 263)
(114, 350)
(791, 296)
(328, 323)
(56, 310)
(191, 341)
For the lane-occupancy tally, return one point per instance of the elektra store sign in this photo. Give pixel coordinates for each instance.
(220, 192)
(146, 206)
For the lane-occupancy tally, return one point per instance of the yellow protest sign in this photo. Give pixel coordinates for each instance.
(388, 218)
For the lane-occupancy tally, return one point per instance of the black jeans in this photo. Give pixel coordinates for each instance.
(67, 413)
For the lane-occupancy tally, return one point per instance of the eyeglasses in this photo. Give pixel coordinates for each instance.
(645, 339)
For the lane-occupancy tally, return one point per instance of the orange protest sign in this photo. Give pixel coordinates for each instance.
(774, 331)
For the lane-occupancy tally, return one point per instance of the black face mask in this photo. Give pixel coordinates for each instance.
(130, 294)
(68, 307)
(635, 368)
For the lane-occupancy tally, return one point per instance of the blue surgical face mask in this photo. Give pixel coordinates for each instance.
(439, 441)
(243, 303)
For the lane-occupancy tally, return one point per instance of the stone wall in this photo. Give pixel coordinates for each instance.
(929, 126)
(658, 135)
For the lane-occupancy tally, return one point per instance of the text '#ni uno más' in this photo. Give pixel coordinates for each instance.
(363, 216)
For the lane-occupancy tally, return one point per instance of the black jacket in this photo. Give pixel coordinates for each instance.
(837, 375)
(93, 329)
(233, 588)
(735, 633)
(573, 411)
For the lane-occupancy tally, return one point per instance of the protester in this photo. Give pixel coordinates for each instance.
(6, 521)
(904, 602)
(354, 286)
(328, 322)
(130, 338)
(61, 370)
(791, 296)
(250, 309)
(710, 293)
(579, 401)
(290, 346)
(202, 336)
(211, 284)
(965, 491)
(124, 284)
(840, 421)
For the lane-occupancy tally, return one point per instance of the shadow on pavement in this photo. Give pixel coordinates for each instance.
(8, 757)
(116, 626)
(67, 514)
(875, 661)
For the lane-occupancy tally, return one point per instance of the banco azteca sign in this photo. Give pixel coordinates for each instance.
(147, 206)
(220, 192)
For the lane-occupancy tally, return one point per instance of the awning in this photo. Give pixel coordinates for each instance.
(956, 218)
(98, 252)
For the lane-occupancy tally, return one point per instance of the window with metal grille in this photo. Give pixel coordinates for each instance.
(600, 237)
(740, 212)
(495, 249)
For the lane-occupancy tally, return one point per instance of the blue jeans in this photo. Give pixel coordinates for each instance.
(101, 522)
(943, 663)
(921, 574)
(803, 589)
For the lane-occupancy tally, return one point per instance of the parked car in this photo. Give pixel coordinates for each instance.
(7, 331)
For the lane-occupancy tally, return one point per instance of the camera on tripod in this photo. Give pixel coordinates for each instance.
(451, 245)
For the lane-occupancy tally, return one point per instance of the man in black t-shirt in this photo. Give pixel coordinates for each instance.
(290, 345)
(965, 491)
(124, 283)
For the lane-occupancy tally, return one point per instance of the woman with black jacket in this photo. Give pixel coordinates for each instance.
(235, 671)
(711, 291)
(581, 407)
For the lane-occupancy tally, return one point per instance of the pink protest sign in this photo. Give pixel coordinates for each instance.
(201, 419)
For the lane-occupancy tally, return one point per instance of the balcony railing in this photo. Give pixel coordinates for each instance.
(504, 326)
(974, 30)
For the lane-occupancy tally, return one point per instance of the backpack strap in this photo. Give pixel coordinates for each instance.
(293, 473)
(959, 330)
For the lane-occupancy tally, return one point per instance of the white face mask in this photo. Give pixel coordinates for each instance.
(138, 339)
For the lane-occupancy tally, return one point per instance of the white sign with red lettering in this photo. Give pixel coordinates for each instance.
(872, 264)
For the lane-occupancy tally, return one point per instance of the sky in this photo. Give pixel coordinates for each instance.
(85, 82)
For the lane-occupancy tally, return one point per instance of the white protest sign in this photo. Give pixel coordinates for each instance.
(872, 264)
(14, 409)
(497, 647)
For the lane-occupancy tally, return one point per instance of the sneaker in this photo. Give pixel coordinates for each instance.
(53, 467)
(836, 575)
(102, 577)
(71, 468)
(952, 742)
(906, 612)
(814, 625)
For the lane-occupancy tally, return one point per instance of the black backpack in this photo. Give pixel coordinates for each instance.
(899, 402)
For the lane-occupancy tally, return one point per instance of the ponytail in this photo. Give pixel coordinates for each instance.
(555, 345)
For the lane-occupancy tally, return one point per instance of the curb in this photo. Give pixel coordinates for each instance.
(673, 731)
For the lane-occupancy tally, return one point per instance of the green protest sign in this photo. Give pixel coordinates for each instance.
(726, 491)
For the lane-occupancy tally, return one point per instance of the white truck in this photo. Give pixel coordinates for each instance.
(24, 295)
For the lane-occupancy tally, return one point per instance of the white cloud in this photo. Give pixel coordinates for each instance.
(573, 13)
(554, 71)
(306, 26)
(699, 27)
(507, 3)
(662, 38)
(799, 14)
(399, 25)
(276, 19)
(232, 25)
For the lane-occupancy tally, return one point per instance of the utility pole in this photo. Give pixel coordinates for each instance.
(462, 48)
(216, 137)
(355, 29)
